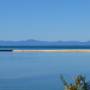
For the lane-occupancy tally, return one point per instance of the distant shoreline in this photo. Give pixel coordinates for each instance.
(48, 50)
(58, 51)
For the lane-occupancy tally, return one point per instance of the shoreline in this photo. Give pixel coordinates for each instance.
(58, 51)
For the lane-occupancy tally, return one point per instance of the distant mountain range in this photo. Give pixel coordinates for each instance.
(32, 42)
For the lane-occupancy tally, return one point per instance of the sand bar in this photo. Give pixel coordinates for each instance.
(58, 51)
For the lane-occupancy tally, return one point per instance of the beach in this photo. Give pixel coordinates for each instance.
(58, 51)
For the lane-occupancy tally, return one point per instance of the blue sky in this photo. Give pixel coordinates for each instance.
(45, 20)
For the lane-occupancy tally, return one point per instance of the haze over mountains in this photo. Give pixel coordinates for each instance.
(33, 42)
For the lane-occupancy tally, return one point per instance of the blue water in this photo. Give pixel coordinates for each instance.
(41, 71)
(47, 47)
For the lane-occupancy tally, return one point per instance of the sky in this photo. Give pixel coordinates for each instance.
(49, 20)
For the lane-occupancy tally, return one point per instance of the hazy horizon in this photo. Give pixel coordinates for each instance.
(47, 40)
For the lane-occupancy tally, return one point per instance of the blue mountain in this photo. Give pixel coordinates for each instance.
(33, 42)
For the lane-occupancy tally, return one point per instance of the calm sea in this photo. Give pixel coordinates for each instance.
(47, 47)
(41, 71)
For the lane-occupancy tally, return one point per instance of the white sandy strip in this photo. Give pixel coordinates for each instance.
(59, 51)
